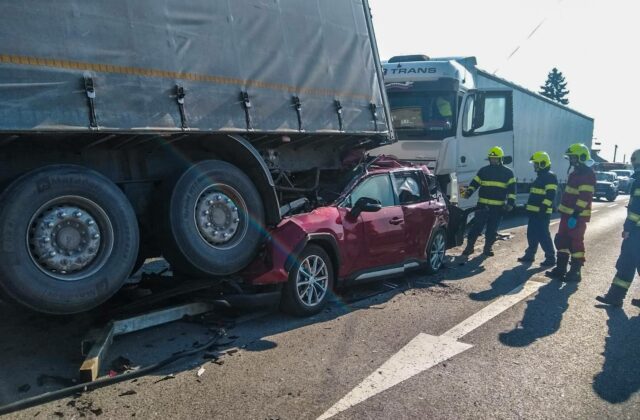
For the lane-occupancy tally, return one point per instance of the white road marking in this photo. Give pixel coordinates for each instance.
(613, 205)
(426, 351)
(594, 211)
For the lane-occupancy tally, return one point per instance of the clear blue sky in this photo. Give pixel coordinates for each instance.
(593, 42)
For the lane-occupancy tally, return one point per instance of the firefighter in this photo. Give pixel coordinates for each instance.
(497, 194)
(576, 213)
(539, 207)
(629, 260)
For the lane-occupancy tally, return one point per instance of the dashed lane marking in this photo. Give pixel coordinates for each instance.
(426, 351)
(613, 205)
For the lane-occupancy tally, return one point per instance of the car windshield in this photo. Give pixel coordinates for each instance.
(420, 115)
(605, 176)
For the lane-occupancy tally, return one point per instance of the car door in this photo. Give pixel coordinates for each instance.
(486, 121)
(382, 234)
(419, 213)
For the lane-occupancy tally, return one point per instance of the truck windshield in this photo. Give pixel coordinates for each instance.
(420, 115)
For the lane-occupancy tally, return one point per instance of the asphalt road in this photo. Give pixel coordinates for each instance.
(487, 339)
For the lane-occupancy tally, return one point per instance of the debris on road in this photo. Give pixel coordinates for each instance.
(201, 372)
(166, 378)
(127, 393)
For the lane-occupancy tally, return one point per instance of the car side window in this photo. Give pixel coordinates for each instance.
(377, 187)
(410, 187)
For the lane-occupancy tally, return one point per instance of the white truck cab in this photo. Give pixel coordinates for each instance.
(441, 119)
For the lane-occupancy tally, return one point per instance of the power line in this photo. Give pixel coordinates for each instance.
(533, 32)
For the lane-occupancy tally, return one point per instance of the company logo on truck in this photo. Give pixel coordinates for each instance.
(410, 70)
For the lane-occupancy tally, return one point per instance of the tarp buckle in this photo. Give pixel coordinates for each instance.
(90, 90)
(298, 107)
(246, 105)
(180, 95)
(339, 112)
(374, 112)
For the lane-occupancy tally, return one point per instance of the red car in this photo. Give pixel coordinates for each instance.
(389, 219)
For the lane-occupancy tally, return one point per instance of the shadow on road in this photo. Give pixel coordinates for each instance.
(543, 315)
(620, 376)
(506, 282)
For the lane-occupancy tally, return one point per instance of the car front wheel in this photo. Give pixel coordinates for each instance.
(310, 283)
(436, 251)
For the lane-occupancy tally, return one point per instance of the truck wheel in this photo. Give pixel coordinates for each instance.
(213, 220)
(436, 251)
(68, 239)
(310, 283)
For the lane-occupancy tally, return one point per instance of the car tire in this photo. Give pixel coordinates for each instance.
(212, 220)
(436, 251)
(299, 301)
(69, 239)
(612, 197)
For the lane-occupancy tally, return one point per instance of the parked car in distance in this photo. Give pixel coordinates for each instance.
(606, 186)
(390, 218)
(624, 180)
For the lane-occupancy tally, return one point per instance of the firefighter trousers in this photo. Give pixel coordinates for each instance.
(628, 262)
(538, 234)
(571, 241)
(489, 217)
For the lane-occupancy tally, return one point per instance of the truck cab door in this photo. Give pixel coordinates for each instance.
(486, 120)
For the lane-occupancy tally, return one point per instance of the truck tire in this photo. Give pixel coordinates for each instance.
(68, 239)
(310, 283)
(213, 220)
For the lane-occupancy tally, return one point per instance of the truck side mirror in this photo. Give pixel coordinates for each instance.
(507, 160)
(365, 204)
(478, 112)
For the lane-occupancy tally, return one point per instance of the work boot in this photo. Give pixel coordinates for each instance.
(469, 249)
(527, 259)
(575, 273)
(560, 271)
(488, 252)
(548, 262)
(614, 297)
(636, 303)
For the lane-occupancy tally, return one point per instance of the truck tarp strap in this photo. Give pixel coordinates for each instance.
(246, 104)
(180, 94)
(374, 112)
(298, 107)
(339, 112)
(89, 88)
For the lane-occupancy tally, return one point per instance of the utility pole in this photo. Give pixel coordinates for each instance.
(624, 159)
(615, 153)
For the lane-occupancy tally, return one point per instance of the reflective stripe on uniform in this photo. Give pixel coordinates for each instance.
(571, 190)
(511, 181)
(478, 180)
(547, 202)
(551, 187)
(582, 203)
(577, 255)
(622, 283)
(636, 193)
(564, 251)
(494, 184)
(490, 202)
(538, 191)
(586, 188)
(585, 213)
(533, 208)
(512, 196)
(564, 209)
(549, 210)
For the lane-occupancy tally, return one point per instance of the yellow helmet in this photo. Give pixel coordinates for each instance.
(496, 152)
(580, 151)
(542, 159)
(635, 158)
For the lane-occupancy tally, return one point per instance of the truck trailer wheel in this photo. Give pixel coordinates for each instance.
(68, 239)
(212, 218)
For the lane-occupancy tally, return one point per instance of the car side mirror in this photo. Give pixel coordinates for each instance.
(507, 160)
(365, 204)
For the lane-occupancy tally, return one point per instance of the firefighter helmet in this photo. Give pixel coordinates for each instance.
(496, 152)
(542, 160)
(581, 152)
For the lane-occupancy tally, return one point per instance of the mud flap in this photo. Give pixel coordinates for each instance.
(457, 225)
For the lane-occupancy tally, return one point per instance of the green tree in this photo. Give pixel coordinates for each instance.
(555, 88)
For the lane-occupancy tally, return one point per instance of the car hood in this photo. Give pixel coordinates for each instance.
(318, 220)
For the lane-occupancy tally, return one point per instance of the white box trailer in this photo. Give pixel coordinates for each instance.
(447, 113)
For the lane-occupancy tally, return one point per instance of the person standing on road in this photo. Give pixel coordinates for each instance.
(576, 213)
(629, 260)
(497, 194)
(539, 207)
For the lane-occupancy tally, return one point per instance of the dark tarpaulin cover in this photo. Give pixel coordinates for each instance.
(137, 51)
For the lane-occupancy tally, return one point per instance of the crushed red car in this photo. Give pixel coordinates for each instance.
(391, 217)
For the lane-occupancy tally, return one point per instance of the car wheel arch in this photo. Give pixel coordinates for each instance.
(330, 245)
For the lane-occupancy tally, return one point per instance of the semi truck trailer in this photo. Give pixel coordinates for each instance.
(182, 129)
(447, 113)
